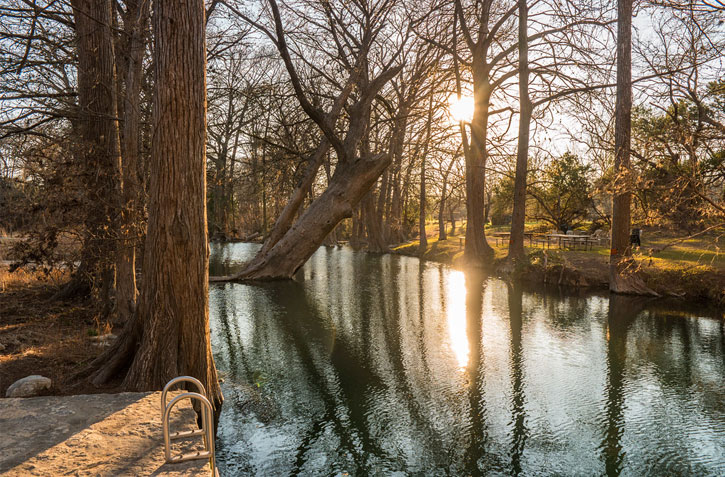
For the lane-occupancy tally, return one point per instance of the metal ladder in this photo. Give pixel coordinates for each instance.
(206, 430)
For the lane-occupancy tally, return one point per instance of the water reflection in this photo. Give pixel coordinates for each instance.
(518, 399)
(376, 365)
(623, 310)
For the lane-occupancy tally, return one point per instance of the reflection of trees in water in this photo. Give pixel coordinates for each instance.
(518, 438)
(362, 371)
(474, 458)
(345, 381)
(687, 353)
(623, 310)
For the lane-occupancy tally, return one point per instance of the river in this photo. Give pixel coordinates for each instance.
(387, 365)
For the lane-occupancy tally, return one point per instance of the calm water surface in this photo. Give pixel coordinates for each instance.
(386, 365)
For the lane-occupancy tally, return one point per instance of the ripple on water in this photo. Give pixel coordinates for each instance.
(372, 365)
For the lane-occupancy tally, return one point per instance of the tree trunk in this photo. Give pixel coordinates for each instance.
(135, 22)
(421, 219)
(169, 334)
(286, 218)
(395, 220)
(376, 243)
(380, 206)
(442, 207)
(518, 217)
(477, 250)
(426, 147)
(441, 212)
(623, 277)
(100, 147)
(350, 182)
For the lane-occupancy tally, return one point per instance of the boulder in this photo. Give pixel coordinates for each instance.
(28, 386)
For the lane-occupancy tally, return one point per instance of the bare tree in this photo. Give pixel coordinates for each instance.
(169, 334)
(356, 172)
(622, 278)
(100, 149)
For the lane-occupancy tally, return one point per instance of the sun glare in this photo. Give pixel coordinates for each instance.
(461, 109)
(456, 316)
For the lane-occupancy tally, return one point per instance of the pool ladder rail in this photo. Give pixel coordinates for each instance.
(206, 431)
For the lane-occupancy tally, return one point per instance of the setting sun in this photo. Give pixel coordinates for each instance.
(461, 109)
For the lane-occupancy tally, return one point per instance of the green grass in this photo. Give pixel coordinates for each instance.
(705, 251)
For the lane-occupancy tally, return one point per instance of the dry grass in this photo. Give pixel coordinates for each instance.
(40, 335)
(23, 278)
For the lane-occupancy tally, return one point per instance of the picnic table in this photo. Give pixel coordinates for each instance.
(587, 241)
(507, 236)
(565, 240)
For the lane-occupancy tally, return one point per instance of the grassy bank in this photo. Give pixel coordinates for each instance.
(692, 270)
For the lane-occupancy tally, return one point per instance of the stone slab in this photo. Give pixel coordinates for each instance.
(93, 435)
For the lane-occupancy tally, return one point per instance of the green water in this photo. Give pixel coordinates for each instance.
(386, 365)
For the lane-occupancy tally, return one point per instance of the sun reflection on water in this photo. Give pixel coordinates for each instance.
(455, 286)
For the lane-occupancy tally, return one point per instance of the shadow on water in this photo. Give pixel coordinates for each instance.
(518, 436)
(378, 364)
(622, 312)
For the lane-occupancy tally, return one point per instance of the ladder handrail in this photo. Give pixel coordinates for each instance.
(187, 379)
(206, 417)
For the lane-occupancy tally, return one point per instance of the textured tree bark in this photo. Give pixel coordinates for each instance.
(518, 217)
(135, 23)
(169, 334)
(623, 277)
(477, 251)
(98, 121)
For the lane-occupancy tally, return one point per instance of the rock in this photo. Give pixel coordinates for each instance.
(28, 386)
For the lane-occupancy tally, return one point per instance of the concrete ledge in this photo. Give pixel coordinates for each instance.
(95, 434)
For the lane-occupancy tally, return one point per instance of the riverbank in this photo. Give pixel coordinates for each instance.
(688, 272)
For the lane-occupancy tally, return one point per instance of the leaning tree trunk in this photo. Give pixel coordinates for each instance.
(623, 276)
(169, 334)
(518, 217)
(100, 149)
(286, 217)
(350, 182)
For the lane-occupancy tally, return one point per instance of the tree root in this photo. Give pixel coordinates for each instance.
(624, 278)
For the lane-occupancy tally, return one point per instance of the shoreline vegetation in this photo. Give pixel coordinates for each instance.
(693, 270)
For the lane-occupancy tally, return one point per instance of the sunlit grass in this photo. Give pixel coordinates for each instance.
(686, 254)
(21, 278)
